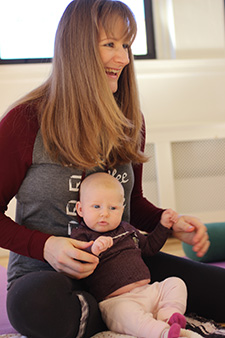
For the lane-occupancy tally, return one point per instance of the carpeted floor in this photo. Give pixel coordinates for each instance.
(13, 335)
(204, 327)
(198, 326)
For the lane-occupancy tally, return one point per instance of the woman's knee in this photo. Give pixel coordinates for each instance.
(42, 304)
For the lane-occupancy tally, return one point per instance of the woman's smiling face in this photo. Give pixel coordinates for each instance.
(114, 53)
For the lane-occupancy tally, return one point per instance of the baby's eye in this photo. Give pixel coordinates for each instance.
(96, 206)
(112, 208)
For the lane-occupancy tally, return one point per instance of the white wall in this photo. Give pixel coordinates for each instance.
(178, 92)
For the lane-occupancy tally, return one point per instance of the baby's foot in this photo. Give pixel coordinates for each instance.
(179, 319)
(172, 332)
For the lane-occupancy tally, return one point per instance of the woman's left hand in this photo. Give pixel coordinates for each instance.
(192, 231)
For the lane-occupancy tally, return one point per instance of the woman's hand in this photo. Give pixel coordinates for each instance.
(67, 255)
(192, 231)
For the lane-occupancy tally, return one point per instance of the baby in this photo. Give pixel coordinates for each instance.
(120, 283)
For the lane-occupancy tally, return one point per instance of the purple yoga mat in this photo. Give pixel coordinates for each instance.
(5, 326)
(220, 264)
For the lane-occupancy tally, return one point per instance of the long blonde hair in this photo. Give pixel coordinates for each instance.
(82, 122)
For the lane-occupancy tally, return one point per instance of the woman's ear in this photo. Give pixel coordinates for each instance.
(79, 208)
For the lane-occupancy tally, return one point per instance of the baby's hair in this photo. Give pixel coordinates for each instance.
(101, 179)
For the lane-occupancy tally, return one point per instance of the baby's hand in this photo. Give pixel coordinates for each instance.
(168, 218)
(101, 244)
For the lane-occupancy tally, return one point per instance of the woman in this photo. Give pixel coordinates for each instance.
(84, 118)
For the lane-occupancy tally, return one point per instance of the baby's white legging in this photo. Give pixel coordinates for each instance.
(144, 311)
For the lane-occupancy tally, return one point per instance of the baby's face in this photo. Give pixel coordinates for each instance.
(102, 209)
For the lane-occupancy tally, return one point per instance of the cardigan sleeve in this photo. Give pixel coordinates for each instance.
(144, 215)
(18, 131)
(154, 241)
